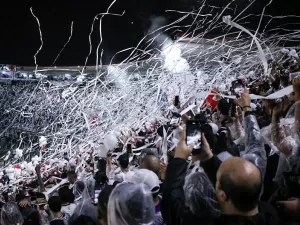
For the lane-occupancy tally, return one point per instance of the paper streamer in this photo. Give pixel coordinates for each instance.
(227, 20)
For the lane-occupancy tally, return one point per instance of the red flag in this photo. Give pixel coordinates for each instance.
(17, 166)
(212, 100)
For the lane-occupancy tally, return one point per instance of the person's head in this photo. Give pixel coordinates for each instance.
(79, 188)
(268, 106)
(32, 219)
(83, 220)
(101, 177)
(151, 162)
(40, 195)
(55, 203)
(148, 178)
(131, 204)
(11, 215)
(103, 203)
(284, 81)
(65, 195)
(224, 107)
(238, 186)
(200, 195)
(21, 196)
(72, 177)
(57, 222)
(124, 161)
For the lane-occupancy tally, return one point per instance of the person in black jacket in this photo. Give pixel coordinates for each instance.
(187, 200)
(238, 181)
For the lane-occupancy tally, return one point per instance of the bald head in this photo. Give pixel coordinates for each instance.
(241, 181)
(240, 171)
(151, 162)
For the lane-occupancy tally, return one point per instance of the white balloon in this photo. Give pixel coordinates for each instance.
(110, 141)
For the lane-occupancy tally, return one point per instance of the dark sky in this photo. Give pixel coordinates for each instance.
(20, 37)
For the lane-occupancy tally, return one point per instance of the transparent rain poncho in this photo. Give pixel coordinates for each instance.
(87, 209)
(84, 202)
(131, 204)
(80, 191)
(200, 195)
(11, 215)
(254, 148)
(283, 136)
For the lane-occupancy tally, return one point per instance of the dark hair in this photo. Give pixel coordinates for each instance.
(40, 195)
(100, 177)
(65, 195)
(285, 80)
(244, 197)
(124, 160)
(86, 220)
(20, 196)
(72, 174)
(57, 222)
(209, 135)
(55, 203)
(103, 201)
(32, 219)
(224, 106)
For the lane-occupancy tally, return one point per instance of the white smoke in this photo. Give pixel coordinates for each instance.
(171, 52)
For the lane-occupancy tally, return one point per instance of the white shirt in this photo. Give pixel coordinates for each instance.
(123, 176)
(69, 209)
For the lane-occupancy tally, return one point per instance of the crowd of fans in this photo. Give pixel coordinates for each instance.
(247, 170)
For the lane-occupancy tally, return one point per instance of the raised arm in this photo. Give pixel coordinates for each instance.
(254, 147)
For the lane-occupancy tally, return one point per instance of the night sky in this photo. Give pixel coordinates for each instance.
(20, 37)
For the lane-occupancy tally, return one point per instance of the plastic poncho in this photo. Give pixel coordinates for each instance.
(200, 195)
(131, 204)
(87, 209)
(11, 215)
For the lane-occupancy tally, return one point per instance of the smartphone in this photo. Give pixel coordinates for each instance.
(193, 134)
(176, 102)
(237, 87)
(129, 148)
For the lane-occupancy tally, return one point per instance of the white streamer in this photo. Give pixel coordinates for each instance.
(41, 38)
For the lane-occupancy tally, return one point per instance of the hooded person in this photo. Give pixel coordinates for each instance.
(103, 203)
(151, 181)
(11, 215)
(131, 204)
(188, 200)
(85, 208)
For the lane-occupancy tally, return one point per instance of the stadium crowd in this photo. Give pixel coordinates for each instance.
(247, 170)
